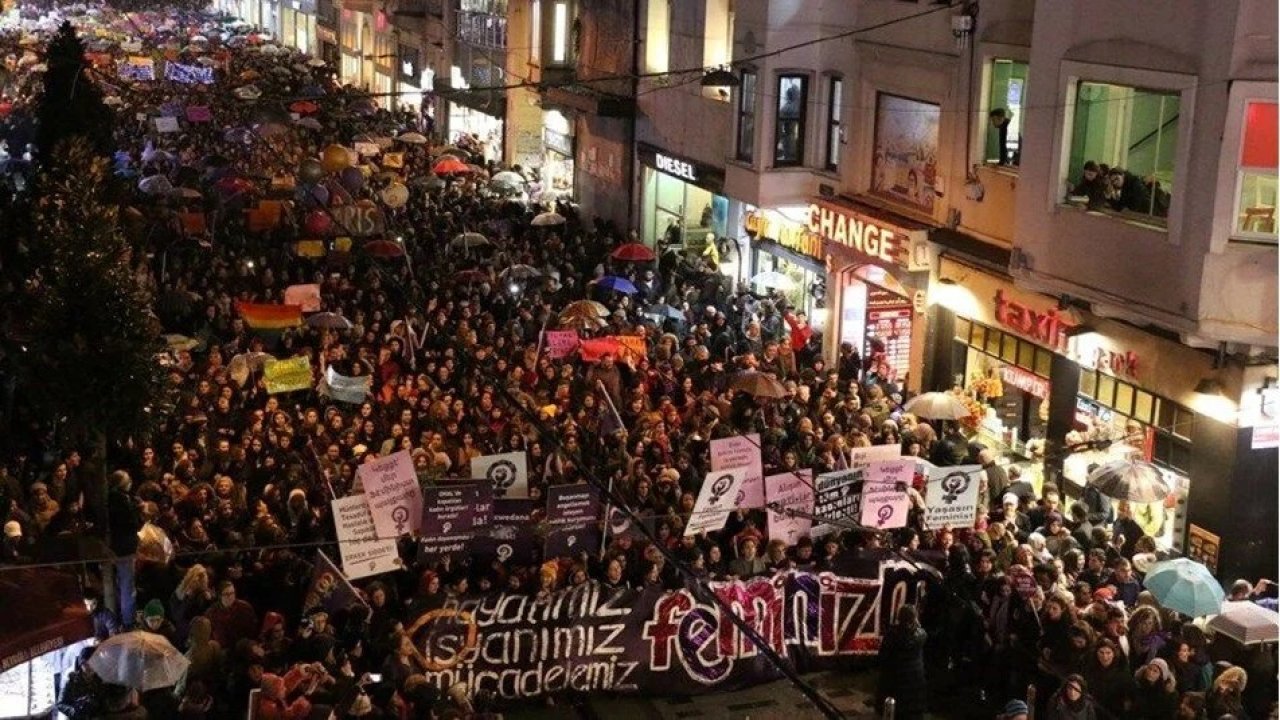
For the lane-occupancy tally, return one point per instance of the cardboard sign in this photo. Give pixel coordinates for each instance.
(951, 497)
(715, 501)
(885, 502)
(508, 473)
(560, 343)
(742, 451)
(188, 74)
(451, 515)
(860, 458)
(166, 124)
(836, 495)
(573, 520)
(793, 491)
(305, 296)
(199, 114)
(394, 496)
(282, 376)
(361, 552)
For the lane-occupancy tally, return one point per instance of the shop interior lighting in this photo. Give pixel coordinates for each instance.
(720, 78)
(1079, 329)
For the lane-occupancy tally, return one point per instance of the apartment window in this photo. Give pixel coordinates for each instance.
(1124, 142)
(1004, 112)
(535, 31)
(1256, 178)
(657, 36)
(745, 145)
(788, 135)
(560, 33)
(717, 42)
(835, 131)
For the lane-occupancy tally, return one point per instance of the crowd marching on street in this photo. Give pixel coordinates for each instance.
(440, 330)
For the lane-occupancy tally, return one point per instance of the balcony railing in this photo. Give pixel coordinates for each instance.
(482, 29)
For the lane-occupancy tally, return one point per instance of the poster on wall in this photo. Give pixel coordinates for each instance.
(1202, 546)
(905, 164)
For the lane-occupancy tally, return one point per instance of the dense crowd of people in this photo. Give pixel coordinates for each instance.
(216, 517)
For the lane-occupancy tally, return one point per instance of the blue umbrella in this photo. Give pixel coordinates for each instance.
(621, 284)
(1186, 586)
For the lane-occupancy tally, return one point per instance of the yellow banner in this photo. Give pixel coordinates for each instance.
(283, 376)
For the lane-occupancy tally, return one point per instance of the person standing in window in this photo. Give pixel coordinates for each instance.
(1000, 120)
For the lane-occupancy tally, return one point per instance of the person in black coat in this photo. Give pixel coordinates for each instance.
(902, 675)
(123, 523)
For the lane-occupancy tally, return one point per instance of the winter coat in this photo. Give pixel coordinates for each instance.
(1109, 686)
(902, 674)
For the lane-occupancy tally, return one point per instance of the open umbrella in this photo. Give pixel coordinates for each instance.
(1246, 622)
(1133, 480)
(584, 308)
(303, 107)
(633, 252)
(662, 310)
(328, 321)
(384, 249)
(139, 660)
(245, 363)
(450, 166)
(180, 342)
(773, 279)
(155, 185)
(315, 62)
(247, 92)
(1186, 586)
(619, 284)
(520, 272)
(271, 129)
(506, 177)
(937, 406)
(581, 322)
(413, 138)
(547, 219)
(468, 240)
(758, 384)
(308, 122)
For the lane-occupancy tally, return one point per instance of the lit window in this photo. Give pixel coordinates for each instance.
(788, 135)
(560, 33)
(1124, 142)
(746, 117)
(535, 31)
(835, 131)
(717, 42)
(1004, 112)
(1256, 194)
(657, 37)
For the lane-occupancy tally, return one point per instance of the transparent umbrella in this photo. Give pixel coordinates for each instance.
(139, 660)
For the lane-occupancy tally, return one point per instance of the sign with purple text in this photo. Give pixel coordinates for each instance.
(395, 499)
(741, 451)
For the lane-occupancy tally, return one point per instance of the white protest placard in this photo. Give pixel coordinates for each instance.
(362, 556)
(836, 495)
(715, 501)
(885, 501)
(861, 457)
(741, 451)
(507, 472)
(951, 498)
(793, 491)
(167, 124)
(367, 149)
(392, 491)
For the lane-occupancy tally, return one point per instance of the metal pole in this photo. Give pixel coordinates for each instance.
(890, 706)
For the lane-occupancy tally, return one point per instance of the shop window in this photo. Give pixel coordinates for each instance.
(1044, 362)
(1004, 112)
(993, 342)
(962, 330)
(1088, 383)
(1256, 179)
(717, 42)
(1143, 404)
(979, 338)
(657, 36)
(1106, 390)
(745, 150)
(788, 135)
(1124, 398)
(835, 131)
(1009, 349)
(1124, 143)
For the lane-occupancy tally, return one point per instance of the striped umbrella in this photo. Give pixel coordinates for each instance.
(1134, 480)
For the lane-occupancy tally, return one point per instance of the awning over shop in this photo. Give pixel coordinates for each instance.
(488, 101)
(45, 612)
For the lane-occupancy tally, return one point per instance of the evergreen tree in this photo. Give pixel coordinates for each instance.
(89, 362)
(71, 103)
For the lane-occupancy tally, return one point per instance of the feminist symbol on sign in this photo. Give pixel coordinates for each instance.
(504, 552)
(446, 528)
(400, 516)
(953, 486)
(719, 487)
(503, 475)
(883, 514)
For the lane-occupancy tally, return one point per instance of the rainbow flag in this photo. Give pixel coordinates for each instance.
(270, 317)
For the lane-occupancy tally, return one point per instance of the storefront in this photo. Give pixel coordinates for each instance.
(878, 275)
(557, 153)
(327, 40)
(354, 36)
(681, 201)
(410, 78)
(298, 25)
(1058, 390)
(480, 113)
(780, 242)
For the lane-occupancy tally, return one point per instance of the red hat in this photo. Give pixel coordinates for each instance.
(1106, 593)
